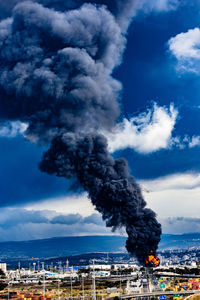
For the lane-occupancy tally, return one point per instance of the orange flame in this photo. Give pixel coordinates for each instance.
(152, 260)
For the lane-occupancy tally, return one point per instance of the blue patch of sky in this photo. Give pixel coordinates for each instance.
(21, 181)
(161, 163)
(148, 72)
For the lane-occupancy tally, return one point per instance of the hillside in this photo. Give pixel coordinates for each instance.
(65, 246)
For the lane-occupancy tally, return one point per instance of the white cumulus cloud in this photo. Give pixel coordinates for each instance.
(181, 181)
(71, 204)
(158, 5)
(180, 225)
(148, 132)
(186, 48)
(173, 195)
(12, 129)
(194, 142)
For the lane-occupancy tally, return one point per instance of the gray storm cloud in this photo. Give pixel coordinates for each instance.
(56, 76)
(13, 217)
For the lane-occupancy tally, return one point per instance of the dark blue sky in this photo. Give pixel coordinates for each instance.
(148, 71)
(21, 180)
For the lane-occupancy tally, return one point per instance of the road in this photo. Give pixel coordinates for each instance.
(116, 278)
(176, 275)
(159, 294)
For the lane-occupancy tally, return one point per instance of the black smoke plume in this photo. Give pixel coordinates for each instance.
(56, 75)
(123, 11)
(113, 192)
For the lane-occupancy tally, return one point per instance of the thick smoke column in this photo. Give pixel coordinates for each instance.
(113, 192)
(56, 76)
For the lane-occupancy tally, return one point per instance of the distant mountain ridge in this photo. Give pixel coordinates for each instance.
(65, 246)
(61, 246)
(180, 241)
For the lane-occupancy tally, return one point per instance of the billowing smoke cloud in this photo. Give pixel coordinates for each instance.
(55, 69)
(56, 77)
(123, 11)
(111, 189)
